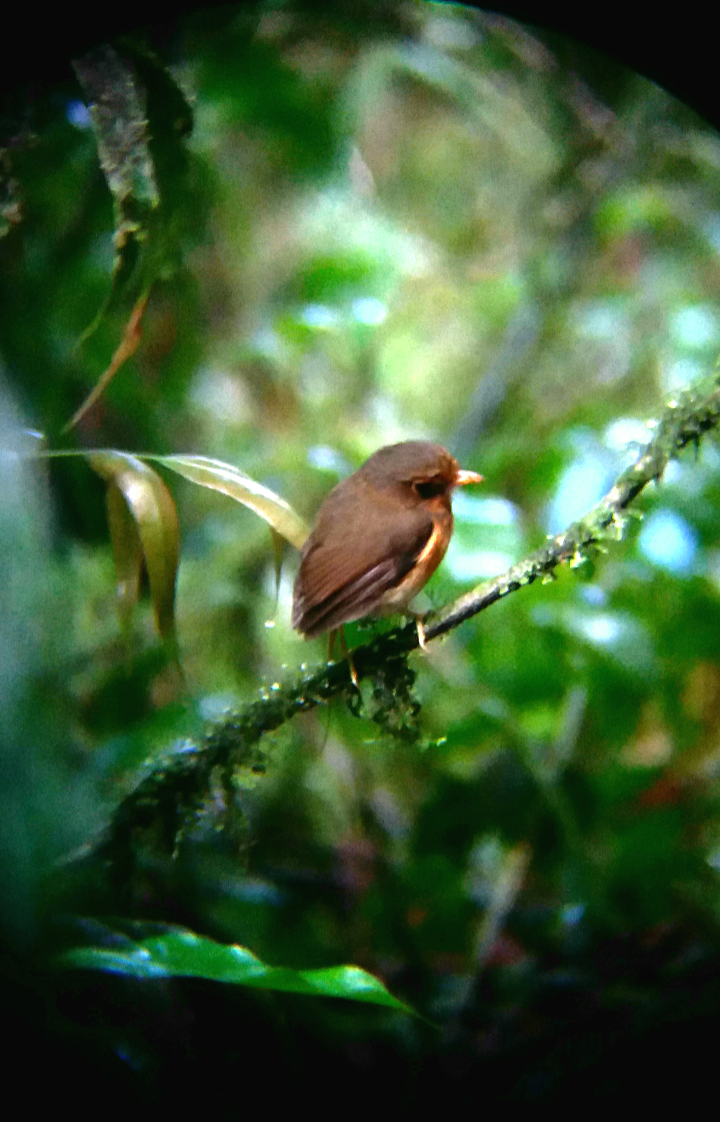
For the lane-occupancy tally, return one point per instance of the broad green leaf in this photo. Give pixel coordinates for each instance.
(182, 953)
(153, 511)
(229, 480)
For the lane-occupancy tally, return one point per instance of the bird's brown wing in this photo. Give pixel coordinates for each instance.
(357, 551)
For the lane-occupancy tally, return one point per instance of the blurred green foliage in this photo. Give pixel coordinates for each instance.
(409, 224)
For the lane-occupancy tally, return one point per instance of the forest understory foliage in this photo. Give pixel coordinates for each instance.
(245, 253)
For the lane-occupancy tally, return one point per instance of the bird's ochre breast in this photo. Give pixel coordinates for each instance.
(426, 562)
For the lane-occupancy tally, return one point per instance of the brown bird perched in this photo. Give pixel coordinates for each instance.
(378, 537)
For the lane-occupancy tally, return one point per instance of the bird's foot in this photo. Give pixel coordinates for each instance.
(418, 619)
(334, 634)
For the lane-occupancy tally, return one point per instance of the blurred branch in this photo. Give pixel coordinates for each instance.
(506, 366)
(178, 783)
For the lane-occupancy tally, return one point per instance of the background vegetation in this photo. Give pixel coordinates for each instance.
(421, 221)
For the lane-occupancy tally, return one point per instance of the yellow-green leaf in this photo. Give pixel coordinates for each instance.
(229, 480)
(152, 509)
(127, 553)
(277, 544)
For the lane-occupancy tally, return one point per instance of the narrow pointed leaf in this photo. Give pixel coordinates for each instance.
(277, 544)
(229, 480)
(129, 343)
(182, 953)
(127, 554)
(153, 511)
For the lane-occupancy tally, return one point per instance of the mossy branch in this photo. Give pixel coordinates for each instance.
(686, 417)
(179, 783)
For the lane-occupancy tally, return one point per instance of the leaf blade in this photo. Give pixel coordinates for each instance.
(182, 953)
(236, 484)
(127, 554)
(153, 511)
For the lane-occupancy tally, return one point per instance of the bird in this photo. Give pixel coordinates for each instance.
(378, 537)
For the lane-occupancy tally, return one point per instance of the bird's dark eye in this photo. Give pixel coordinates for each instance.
(429, 488)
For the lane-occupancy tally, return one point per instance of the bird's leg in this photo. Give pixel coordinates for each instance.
(348, 656)
(340, 631)
(417, 618)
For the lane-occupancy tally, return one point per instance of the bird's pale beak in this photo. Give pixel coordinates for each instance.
(464, 477)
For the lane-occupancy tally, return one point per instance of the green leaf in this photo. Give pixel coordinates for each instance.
(127, 553)
(152, 509)
(229, 480)
(183, 954)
